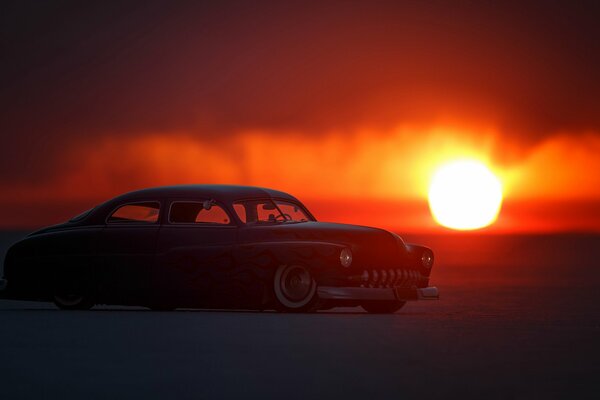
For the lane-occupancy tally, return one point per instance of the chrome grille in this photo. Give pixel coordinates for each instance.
(389, 278)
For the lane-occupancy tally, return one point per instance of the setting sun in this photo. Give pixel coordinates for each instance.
(465, 195)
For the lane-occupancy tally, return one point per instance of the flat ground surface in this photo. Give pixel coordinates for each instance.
(509, 327)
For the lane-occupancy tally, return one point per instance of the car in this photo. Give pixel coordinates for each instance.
(215, 246)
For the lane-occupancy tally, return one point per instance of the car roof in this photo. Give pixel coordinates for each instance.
(225, 193)
(222, 193)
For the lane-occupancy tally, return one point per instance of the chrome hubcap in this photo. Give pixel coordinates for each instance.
(296, 283)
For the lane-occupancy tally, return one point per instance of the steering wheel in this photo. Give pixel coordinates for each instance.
(283, 217)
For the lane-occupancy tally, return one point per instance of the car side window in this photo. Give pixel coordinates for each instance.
(266, 211)
(240, 210)
(193, 212)
(146, 212)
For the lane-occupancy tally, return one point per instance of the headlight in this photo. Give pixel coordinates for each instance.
(346, 257)
(427, 259)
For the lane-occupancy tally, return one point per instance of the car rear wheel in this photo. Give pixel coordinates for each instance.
(73, 296)
(382, 307)
(295, 289)
(72, 301)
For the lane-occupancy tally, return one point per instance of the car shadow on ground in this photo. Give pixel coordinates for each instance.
(50, 308)
(182, 311)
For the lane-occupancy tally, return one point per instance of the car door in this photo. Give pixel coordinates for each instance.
(194, 254)
(126, 248)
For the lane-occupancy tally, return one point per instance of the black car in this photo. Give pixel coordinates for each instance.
(215, 246)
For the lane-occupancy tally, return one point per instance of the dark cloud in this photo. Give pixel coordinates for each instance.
(77, 69)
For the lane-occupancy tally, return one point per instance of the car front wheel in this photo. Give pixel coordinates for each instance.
(295, 289)
(382, 307)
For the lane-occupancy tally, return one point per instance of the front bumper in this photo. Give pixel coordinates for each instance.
(358, 293)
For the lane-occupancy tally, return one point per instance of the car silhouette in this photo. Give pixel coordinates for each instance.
(215, 246)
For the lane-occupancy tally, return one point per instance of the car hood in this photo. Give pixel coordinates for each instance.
(369, 245)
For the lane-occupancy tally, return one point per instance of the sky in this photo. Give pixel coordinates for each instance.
(340, 103)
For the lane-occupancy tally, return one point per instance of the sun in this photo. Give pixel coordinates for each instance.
(465, 195)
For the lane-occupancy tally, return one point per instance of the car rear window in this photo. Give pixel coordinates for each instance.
(146, 212)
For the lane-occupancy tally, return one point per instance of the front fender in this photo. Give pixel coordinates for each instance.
(415, 252)
(315, 256)
(257, 262)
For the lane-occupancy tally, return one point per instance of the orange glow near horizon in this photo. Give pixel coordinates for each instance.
(397, 164)
(394, 167)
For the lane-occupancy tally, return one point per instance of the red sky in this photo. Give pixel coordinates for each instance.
(341, 103)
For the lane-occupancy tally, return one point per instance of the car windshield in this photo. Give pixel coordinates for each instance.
(270, 211)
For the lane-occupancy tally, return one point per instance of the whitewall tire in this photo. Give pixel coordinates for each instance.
(295, 289)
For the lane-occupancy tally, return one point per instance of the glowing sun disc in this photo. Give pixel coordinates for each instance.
(465, 195)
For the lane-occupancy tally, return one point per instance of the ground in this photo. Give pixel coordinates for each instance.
(505, 336)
